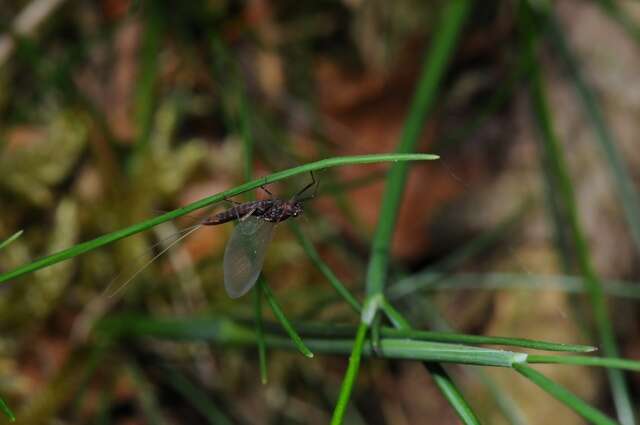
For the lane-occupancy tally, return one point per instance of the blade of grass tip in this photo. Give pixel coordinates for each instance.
(551, 145)
(4, 407)
(11, 238)
(609, 362)
(565, 396)
(324, 268)
(624, 182)
(350, 376)
(210, 200)
(286, 324)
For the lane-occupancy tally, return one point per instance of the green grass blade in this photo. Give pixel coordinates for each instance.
(286, 324)
(452, 394)
(445, 39)
(4, 407)
(449, 353)
(555, 153)
(607, 362)
(225, 332)
(490, 340)
(11, 238)
(350, 377)
(145, 225)
(324, 268)
(436, 281)
(502, 396)
(395, 317)
(624, 182)
(308, 330)
(565, 396)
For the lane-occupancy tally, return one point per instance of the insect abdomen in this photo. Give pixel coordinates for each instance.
(256, 208)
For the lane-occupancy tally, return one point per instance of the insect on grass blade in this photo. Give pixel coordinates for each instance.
(244, 254)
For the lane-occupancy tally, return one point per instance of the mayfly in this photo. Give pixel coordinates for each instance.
(245, 251)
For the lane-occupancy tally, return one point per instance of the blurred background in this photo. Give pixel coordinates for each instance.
(115, 111)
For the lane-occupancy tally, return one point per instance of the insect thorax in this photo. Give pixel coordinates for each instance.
(281, 210)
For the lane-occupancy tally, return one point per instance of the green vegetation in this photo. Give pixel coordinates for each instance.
(403, 268)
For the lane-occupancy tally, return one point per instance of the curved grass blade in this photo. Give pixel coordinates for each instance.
(286, 324)
(142, 226)
(244, 254)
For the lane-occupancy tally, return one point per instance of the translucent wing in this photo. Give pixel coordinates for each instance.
(244, 254)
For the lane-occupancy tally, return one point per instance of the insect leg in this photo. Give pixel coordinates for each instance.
(244, 217)
(304, 189)
(263, 187)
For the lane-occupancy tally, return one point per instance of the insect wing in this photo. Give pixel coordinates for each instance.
(244, 255)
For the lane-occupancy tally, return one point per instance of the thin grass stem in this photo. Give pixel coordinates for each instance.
(254, 184)
(350, 377)
(565, 396)
(555, 153)
(282, 318)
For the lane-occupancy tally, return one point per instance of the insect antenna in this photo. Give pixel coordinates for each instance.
(112, 289)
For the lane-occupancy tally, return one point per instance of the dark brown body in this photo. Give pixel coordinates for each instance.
(272, 210)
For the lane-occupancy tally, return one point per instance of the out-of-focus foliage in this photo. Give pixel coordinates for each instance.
(117, 110)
